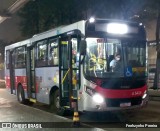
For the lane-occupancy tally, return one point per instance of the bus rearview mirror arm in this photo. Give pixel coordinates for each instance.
(83, 46)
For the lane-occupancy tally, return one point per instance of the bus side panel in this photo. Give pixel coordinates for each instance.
(86, 102)
(7, 79)
(46, 78)
(20, 77)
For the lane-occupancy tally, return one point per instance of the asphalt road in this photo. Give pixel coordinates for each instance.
(12, 111)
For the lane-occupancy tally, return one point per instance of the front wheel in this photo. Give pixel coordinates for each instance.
(55, 101)
(55, 105)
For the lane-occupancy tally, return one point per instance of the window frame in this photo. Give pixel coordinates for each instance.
(17, 61)
(7, 61)
(51, 60)
(41, 62)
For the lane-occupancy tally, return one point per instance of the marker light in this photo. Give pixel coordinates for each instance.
(117, 28)
(91, 20)
(98, 98)
(144, 95)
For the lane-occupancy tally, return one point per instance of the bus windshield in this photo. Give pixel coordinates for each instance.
(135, 57)
(107, 58)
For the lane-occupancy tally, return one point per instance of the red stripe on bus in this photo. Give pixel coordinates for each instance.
(22, 80)
(19, 79)
(121, 93)
(7, 79)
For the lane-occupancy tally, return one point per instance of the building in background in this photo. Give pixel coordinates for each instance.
(151, 35)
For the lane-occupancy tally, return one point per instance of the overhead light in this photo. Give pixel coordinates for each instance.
(1, 18)
(91, 20)
(117, 28)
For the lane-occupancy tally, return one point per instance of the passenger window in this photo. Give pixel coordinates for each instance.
(41, 53)
(7, 59)
(20, 57)
(53, 52)
(75, 57)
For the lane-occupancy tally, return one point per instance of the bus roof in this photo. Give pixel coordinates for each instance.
(60, 30)
(21, 43)
(80, 25)
(50, 33)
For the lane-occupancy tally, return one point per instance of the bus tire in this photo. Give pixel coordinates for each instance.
(20, 95)
(55, 101)
(55, 105)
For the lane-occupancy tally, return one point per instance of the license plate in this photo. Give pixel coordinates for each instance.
(125, 104)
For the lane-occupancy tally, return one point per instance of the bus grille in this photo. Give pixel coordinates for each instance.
(119, 84)
(117, 102)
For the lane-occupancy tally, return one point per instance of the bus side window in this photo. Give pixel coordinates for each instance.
(41, 53)
(7, 59)
(53, 52)
(20, 57)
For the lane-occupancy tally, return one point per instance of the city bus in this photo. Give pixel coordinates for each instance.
(73, 61)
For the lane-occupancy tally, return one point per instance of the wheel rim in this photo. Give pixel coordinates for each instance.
(57, 102)
(20, 96)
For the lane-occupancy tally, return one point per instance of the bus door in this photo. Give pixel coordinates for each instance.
(12, 72)
(68, 69)
(31, 72)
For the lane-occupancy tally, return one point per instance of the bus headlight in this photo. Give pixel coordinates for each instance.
(98, 98)
(92, 20)
(144, 95)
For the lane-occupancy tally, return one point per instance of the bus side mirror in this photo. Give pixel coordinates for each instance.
(83, 46)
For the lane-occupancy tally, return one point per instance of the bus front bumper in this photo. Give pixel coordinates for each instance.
(117, 104)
